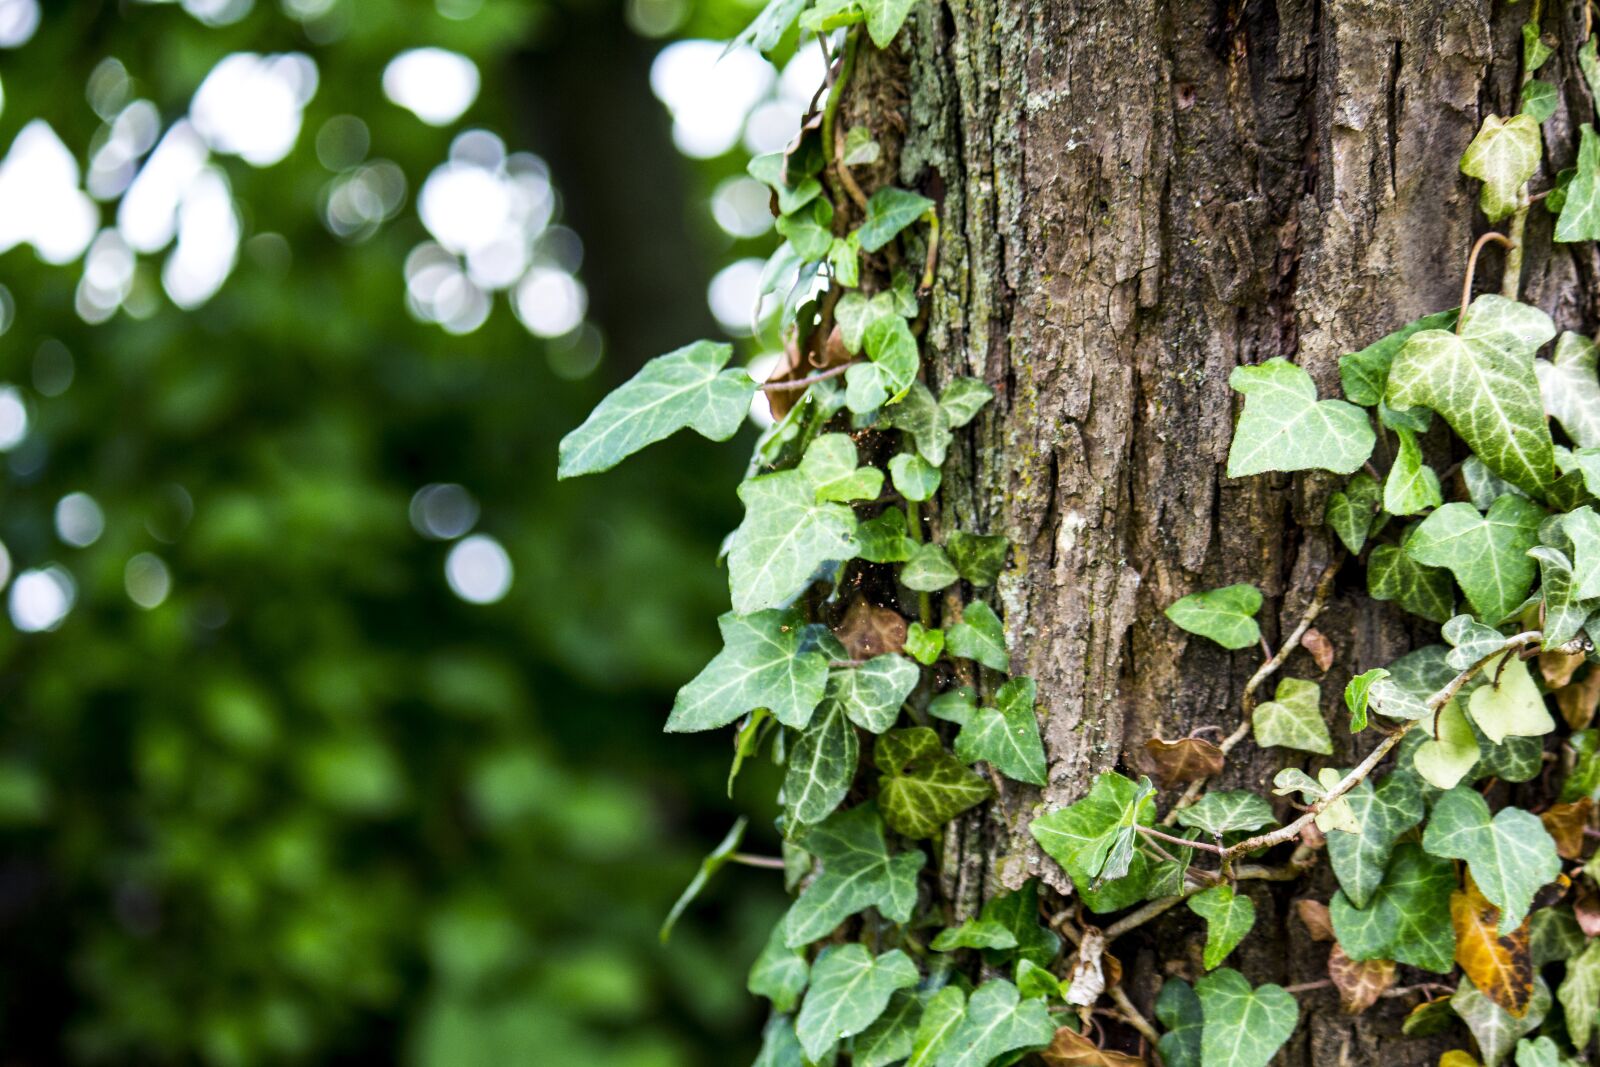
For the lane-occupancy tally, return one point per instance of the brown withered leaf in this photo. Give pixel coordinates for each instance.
(1565, 823)
(799, 361)
(1072, 1049)
(1557, 667)
(1314, 914)
(1359, 984)
(1578, 700)
(1184, 760)
(1586, 908)
(1501, 966)
(1551, 894)
(868, 630)
(1087, 979)
(1316, 642)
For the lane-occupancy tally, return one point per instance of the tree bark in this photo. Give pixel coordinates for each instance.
(1138, 197)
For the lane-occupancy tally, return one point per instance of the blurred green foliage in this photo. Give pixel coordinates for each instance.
(313, 807)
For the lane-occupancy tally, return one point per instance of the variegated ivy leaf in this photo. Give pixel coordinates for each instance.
(788, 531)
(1226, 615)
(975, 933)
(769, 170)
(780, 973)
(941, 1018)
(1285, 428)
(892, 1035)
(1579, 994)
(1244, 1026)
(849, 989)
(871, 694)
(1384, 812)
(1510, 855)
(920, 415)
(1179, 1011)
(685, 388)
(1422, 590)
(1554, 935)
(1580, 210)
(1221, 812)
(1338, 815)
(1293, 719)
(1508, 703)
(1564, 612)
(929, 569)
(1094, 839)
(890, 210)
(978, 557)
(1516, 759)
(1358, 694)
(1582, 530)
(1484, 487)
(1365, 374)
(770, 659)
(1006, 734)
(1539, 99)
(1413, 678)
(857, 873)
(1496, 1030)
(914, 477)
(979, 636)
(1444, 760)
(1488, 554)
(859, 147)
(1412, 486)
(1483, 382)
(1352, 512)
(1570, 386)
(1228, 917)
(997, 1021)
(923, 786)
(1534, 50)
(1471, 641)
(820, 768)
(1407, 918)
(962, 399)
(1503, 156)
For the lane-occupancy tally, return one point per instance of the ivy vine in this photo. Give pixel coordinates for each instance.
(888, 728)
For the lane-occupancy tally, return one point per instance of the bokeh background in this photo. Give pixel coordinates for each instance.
(329, 721)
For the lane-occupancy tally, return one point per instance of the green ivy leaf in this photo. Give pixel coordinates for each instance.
(893, 351)
(1426, 591)
(1285, 428)
(809, 230)
(769, 170)
(1472, 642)
(928, 570)
(857, 873)
(1509, 703)
(768, 28)
(1444, 760)
(709, 866)
(1352, 512)
(780, 973)
(923, 786)
(1293, 719)
(1385, 812)
(821, 768)
(1228, 917)
(941, 1018)
(779, 1045)
(962, 399)
(1094, 839)
(849, 989)
(769, 659)
(1484, 487)
(919, 415)
(1510, 855)
(1358, 694)
(1554, 935)
(1412, 486)
(884, 539)
(1365, 374)
(1408, 917)
(1019, 912)
(859, 147)
(923, 644)
(687, 387)
(890, 210)
(1483, 382)
(1579, 994)
(1539, 99)
(978, 558)
(1413, 679)
(997, 1021)
(1244, 1026)
(1503, 156)
(1006, 734)
(1178, 1009)
(957, 706)
(975, 933)
(1496, 1030)
(856, 313)
(1570, 386)
(1534, 50)
(1486, 553)
(979, 636)
(1221, 812)
(872, 693)
(1582, 529)
(1580, 210)
(892, 1035)
(1035, 981)
(914, 477)
(1226, 615)
(1564, 611)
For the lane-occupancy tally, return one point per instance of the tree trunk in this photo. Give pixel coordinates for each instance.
(1136, 198)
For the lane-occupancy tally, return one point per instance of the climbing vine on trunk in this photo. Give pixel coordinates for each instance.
(891, 718)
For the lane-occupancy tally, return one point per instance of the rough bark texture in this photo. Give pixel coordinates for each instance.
(1137, 197)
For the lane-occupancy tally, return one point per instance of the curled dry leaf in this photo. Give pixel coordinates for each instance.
(1558, 667)
(1577, 700)
(799, 361)
(1316, 642)
(1501, 966)
(868, 630)
(1072, 1049)
(1087, 979)
(1565, 823)
(1586, 908)
(1359, 984)
(1314, 915)
(1185, 760)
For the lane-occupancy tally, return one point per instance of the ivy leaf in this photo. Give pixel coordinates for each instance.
(1503, 156)
(1358, 695)
(1338, 815)
(780, 973)
(1539, 99)
(1554, 935)
(1422, 590)
(1564, 613)
(856, 313)
(928, 570)
(893, 352)
(1482, 381)
(974, 933)
(1352, 512)
(997, 1021)
(1412, 486)
(1510, 856)
(1244, 1027)
(979, 636)
(1365, 374)
(1293, 719)
(821, 767)
(872, 693)
(1006, 734)
(769, 169)
(1019, 912)
(923, 644)
(1534, 50)
(1472, 642)
(787, 532)
(962, 399)
(1579, 994)
(1509, 704)
(768, 660)
(687, 387)
(1035, 981)
(1178, 1009)
(809, 230)
(1486, 553)
(859, 147)
(857, 873)
(768, 28)
(1221, 812)
(1444, 760)
(1496, 1030)
(892, 1035)
(709, 866)
(779, 1046)
(884, 539)
(849, 989)
(1093, 839)
(1499, 964)
(1582, 528)
(1580, 211)
(922, 786)
(890, 210)
(1413, 679)
(1570, 386)
(941, 1018)
(1226, 615)
(1408, 917)
(1285, 428)
(914, 477)
(919, 415)
(957, 706)
(1385, 812)
(1228, 917)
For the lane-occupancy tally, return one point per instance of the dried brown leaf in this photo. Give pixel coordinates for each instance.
(1565, 823)
(1586, 908)
(1072, 1049)
(1501, 966)
(1360, 984)
(1557, 667)
(1314, 914)
(1316, 642)
(868, 630)
(1578, 700)
(1185, 760)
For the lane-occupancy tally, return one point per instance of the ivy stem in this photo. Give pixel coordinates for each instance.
(1511, 278)
(1185, 842)
(847, 179)
(924, 601)
(1472, 267)
(932, 261)
(769, 862)
(1133, 1016)
(1161, 905)
(801, 383)
(830, 110)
